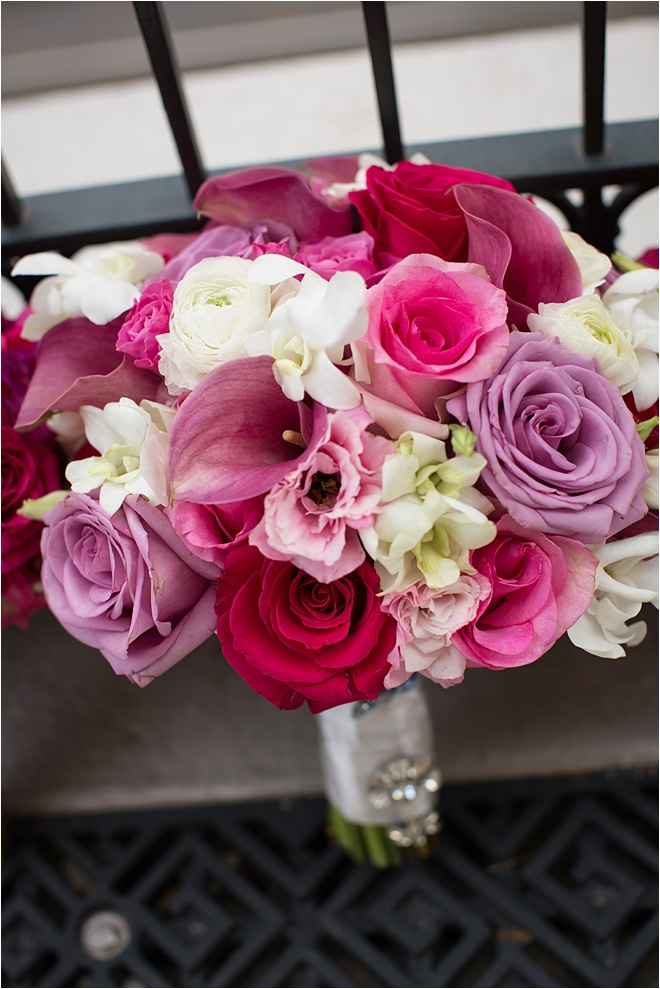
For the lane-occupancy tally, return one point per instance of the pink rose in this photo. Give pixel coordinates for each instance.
(210, 531)
(126, 584)
(426, 619)
(354, 252)
(27, 472)
(149, 316)
(293, 639)
(431, 324)
(539, 589)
(312, 515)
(412, 210)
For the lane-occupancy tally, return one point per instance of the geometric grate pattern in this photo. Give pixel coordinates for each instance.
(531, 883)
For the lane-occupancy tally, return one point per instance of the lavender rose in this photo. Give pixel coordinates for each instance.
(126, 585)
(563, 453)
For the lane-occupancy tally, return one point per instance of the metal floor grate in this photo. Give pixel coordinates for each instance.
(541, 883)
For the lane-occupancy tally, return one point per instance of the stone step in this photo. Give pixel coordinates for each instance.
(77, 738)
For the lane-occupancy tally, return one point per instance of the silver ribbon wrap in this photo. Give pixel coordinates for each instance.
(377, 759)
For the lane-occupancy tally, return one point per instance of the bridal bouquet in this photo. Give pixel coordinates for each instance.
(369, 423)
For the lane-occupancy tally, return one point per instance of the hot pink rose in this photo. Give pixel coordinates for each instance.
(293, 639)
(540, 586)
(210, 531)
(432, 323)
(27, 472)
(126, 585)
(149, 316)
(412, 210)
(313, 515)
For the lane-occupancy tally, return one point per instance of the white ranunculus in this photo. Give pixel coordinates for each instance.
(309, 329)
(132, 442)
(99, 282)
(632, 301)
(594, 266)
(215, 308)
(430, 518)
(626, 578)
(585, 326)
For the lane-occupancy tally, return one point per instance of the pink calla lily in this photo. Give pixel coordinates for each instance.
(78, 364)
(520, 247)
(278, 194)
(236, 434)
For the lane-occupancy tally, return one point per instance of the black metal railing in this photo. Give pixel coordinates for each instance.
(546, 163)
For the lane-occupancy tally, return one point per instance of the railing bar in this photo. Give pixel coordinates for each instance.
(158, 41)
(380, 49)
(594, 17)
(13, 210)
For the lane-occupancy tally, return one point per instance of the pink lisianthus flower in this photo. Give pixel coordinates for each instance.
(353, 252)
(432, 323)
(149, 316)
(211, 531)
(426, 619)
(312, 515)
(540, 586)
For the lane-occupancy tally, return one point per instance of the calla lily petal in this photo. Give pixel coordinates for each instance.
(521, 248)
(227, 441)
(78, 364)
(280, 194)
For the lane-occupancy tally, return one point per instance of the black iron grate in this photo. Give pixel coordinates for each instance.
(531, 884)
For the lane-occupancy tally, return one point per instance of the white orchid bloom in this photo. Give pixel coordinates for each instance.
(431, 515)
(626, 578)
(309, 329)
(594, 266)
(99, 282)
(132, 442)
(12, 301)
(632, 302)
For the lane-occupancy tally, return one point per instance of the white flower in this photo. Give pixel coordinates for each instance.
(594, 266)
(214, 308)
(12, 301)
(431, 515)
(132, 441)
(632, 302)
(308, 330)
(650, 489)
(585, 326)
(626, 578)
(99, 282)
